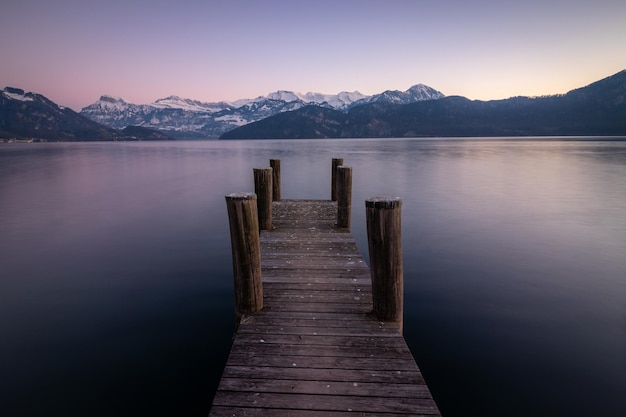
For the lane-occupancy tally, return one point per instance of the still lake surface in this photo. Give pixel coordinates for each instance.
(116, 277)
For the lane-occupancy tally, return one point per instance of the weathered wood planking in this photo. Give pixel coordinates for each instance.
(315, 349)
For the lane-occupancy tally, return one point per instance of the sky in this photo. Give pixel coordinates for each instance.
(74, 51)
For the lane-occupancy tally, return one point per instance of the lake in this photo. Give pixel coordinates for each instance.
(116, 279)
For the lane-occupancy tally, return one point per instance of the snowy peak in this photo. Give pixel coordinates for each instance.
(175, 102)
(109, 103)
(282, 95)
(172, 101)
(346, 97)
(111, 99)
(418, 92)
(16, 94)
(339, 101)
(116, 112)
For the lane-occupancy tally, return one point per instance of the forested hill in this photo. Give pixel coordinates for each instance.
(597, 109)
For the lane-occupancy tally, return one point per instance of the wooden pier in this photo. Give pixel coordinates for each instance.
(314, 347)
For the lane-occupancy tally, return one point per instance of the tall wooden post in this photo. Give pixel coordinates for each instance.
(333, 186)
(275, 164)
(383, 216)
(263, 190)
(344, 196)
(246, 248)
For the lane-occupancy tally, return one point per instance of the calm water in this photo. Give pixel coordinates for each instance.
(116, 283)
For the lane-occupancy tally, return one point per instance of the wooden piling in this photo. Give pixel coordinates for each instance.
(246, 252)
(383, 217)
(333, 187)
(344, 196)
(275, 164)
(263, 190)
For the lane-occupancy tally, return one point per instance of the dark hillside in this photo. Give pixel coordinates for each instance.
(598, 109)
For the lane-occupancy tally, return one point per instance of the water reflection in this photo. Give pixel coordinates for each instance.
(116, 287)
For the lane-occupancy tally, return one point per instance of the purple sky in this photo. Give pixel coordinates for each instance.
(74, 51)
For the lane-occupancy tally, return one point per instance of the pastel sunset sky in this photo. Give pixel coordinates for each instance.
(74, 51)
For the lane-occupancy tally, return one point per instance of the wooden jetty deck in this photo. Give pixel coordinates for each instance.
(315, 349)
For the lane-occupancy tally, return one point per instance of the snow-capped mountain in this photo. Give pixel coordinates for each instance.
(117, 113)
(339, 101)
(175, 102)
(418, 92)
(186, 118)
(33, 117)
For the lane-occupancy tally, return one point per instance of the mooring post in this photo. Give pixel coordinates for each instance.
(263, 190)
(344, 196)
(275, 164)
(383, 216)
(246, 248)
(333, 186)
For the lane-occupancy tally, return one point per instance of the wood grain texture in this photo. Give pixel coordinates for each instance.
(264, 191)
(275, 165)
(333, 177)
(384, 236)
(344, 196)
(246, 252)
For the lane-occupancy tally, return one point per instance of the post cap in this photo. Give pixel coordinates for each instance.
(241, 196)
(383, 202)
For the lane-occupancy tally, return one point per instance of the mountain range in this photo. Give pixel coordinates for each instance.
(191, 119)
(30, 116)
(597, 109)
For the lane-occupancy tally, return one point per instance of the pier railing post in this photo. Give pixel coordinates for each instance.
(275, 164)
(263, 190)
(383, 216)
(246, 249)
(333, 186)
(344, 196)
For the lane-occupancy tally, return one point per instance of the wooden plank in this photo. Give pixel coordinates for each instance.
(294, 319)
(316, 350)
(338, 341)
(311, 374)
(314, 287)
(268, 412)
(356, 331)
(320, 362)
(314, 308)
(355, 389)
(264, 349)
(329, 402)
